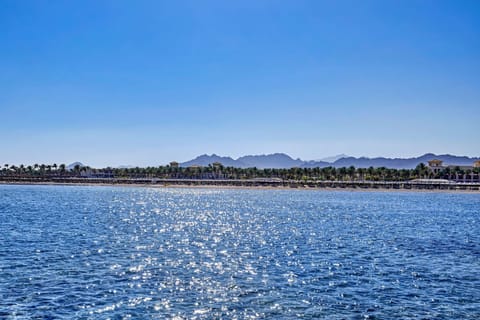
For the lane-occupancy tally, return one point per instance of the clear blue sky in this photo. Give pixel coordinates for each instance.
(147, 82)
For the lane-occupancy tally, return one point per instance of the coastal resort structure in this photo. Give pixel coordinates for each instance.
(174, 164)
(217, 165)
(435, 165)
(467, 173)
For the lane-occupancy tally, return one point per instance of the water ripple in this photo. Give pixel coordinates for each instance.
(100, 252)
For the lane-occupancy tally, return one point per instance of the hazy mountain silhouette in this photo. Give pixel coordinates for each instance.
(71, 166)
(205, 160)
(402, 163)
(333, 158)
(281, 160)
(276, 160)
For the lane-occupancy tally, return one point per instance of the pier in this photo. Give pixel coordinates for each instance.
(430, 184)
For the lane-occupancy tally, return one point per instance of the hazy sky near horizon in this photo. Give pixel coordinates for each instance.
(147, 82)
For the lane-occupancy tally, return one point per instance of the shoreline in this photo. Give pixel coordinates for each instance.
(240, 187)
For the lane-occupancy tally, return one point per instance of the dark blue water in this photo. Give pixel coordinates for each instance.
(101, 252)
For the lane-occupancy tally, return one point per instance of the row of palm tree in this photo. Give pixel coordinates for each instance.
(221, 172)
(35, 169)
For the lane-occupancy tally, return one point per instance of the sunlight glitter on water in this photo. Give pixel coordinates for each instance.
(193, 253)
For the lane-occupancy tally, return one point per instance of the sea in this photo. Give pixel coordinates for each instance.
(96, 252)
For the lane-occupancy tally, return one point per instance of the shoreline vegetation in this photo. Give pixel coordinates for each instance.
(216, 175)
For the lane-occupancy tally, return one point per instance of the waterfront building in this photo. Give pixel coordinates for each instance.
(436, 165)
(217, 165)
(462, 173)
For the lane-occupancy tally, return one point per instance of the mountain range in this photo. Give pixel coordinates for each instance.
(281, 160)
(71, 166)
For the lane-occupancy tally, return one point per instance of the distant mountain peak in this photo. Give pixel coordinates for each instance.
(332, 159)
(274, 160)
(205, 160)
(282, 160)
(71, 166)
(125, 166)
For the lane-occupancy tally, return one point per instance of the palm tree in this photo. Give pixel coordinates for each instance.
(447, 173)
(469, 172)
(423, 171)
(361, 173)
(371, 173)
(351, 172)
(342, 172)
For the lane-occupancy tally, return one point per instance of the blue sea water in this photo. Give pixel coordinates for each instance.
(136, 253)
